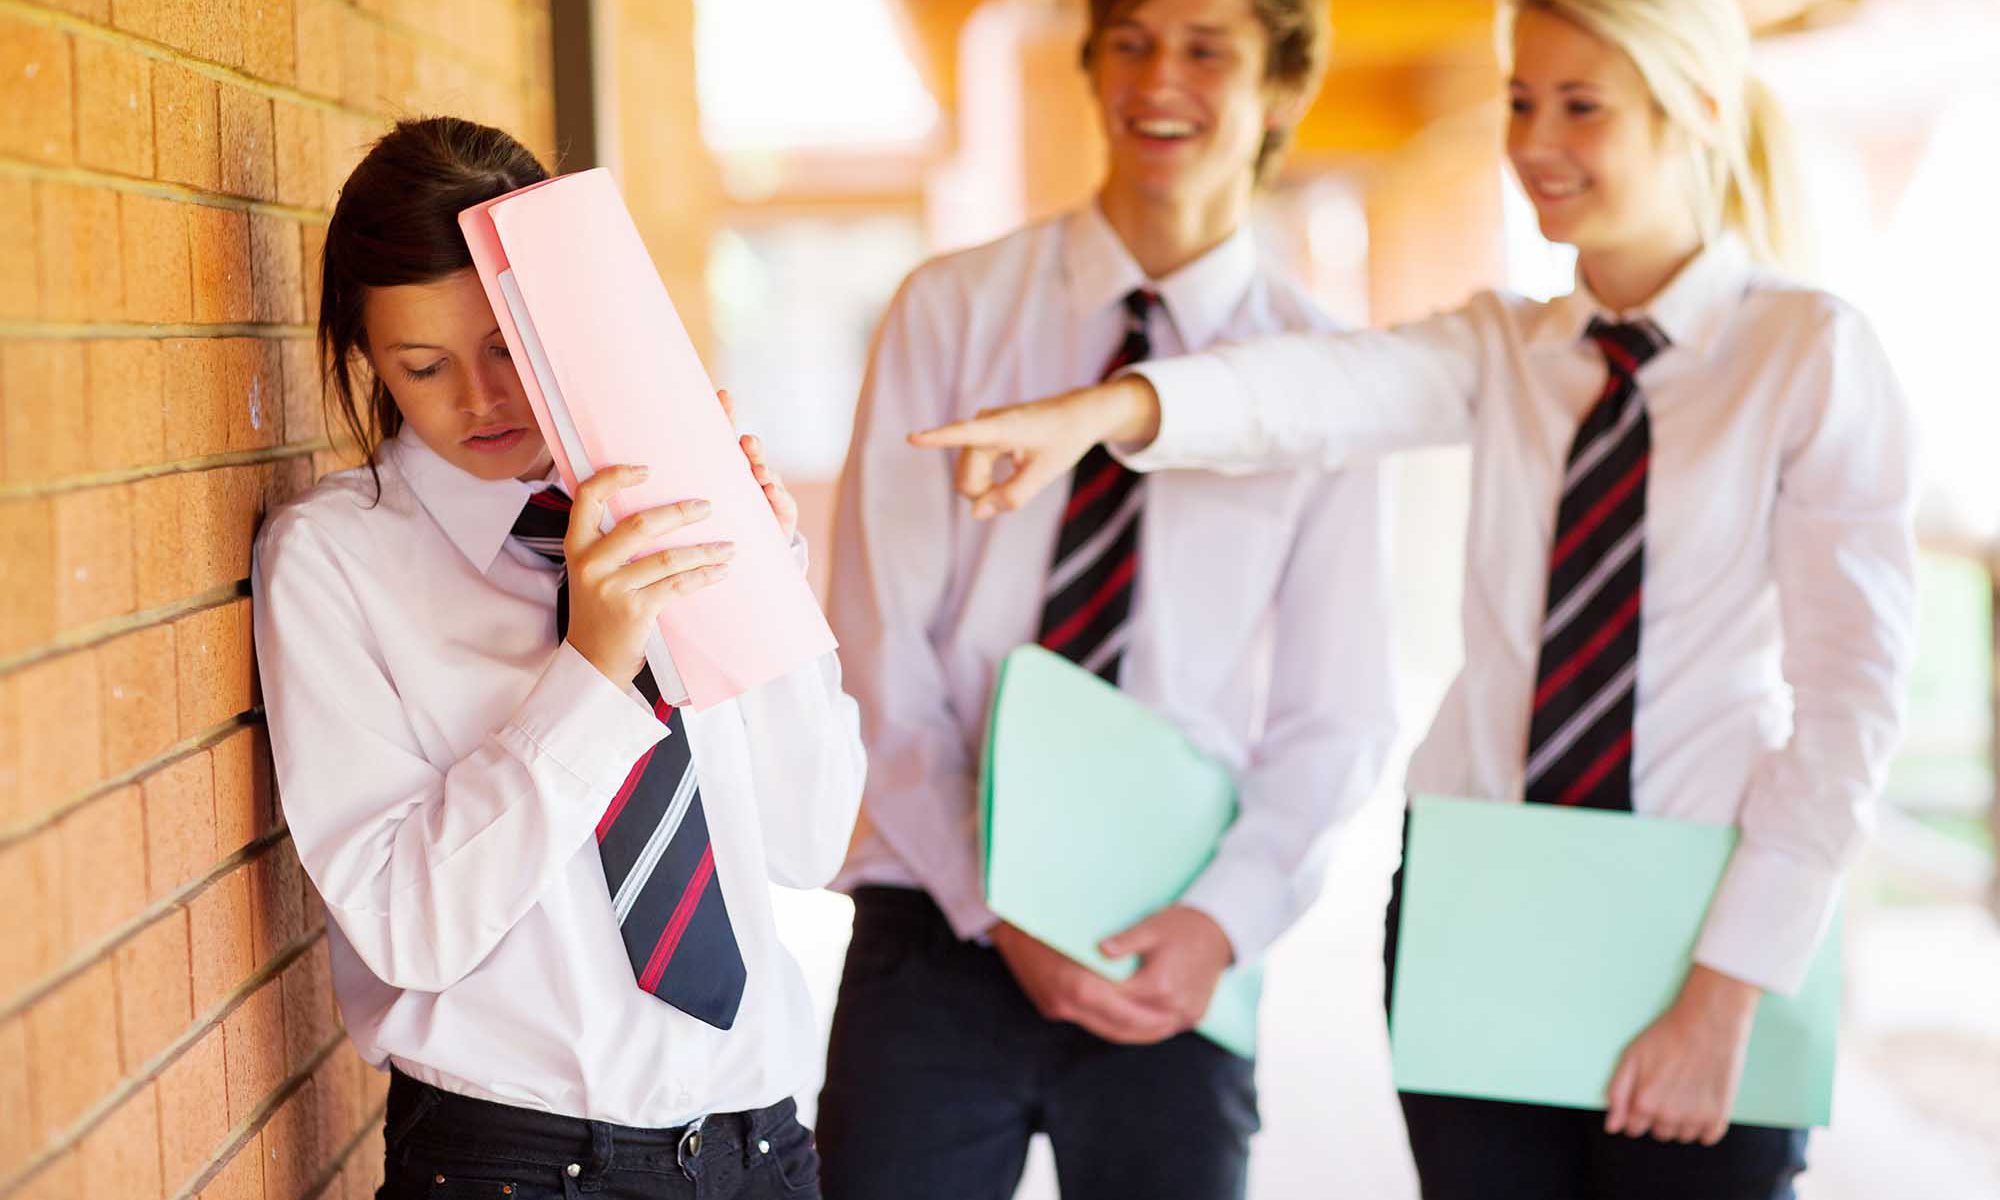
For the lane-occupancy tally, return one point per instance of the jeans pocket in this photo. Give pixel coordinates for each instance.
(792, 1157)
(424, 1176)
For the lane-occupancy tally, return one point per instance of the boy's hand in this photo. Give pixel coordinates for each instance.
(1182, 955)
(783, 506)
(1063, 989)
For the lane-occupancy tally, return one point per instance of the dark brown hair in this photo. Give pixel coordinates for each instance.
(1296, 41)
(396, 222)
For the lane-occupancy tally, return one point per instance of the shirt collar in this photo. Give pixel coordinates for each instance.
(1098, 271)
(476, 514)
(1689, 310)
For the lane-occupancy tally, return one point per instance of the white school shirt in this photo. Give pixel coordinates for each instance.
(1778, 619)
(443, 762)
(1260, 618)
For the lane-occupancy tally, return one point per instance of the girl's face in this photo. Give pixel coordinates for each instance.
(439, 350)
(1180, 88)
(1604, 167)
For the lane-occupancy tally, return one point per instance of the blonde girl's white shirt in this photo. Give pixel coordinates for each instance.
(1779, 603)
(442, 762)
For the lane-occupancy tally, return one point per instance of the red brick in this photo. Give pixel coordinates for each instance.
(47, 428)
(35, 91)
(364, 1167)
(206, 29)
(121, 1156)
(309, 1017)
(256, 382)
(269, 34)
(155, 989)
(289, 478)
(93, 555)
(301, 154)
(71, 1063)
(277, 292)
(249, 156)
(159, 568)
(305, 410)
(338, 1093)
(213, 648)
(318, 25)
(20, 268)
(243, 1177)
(218, 522)
(220, 242)
(27, 579)
(242, 789)
(114, 109)
(104, 865)
(360, 56)
(82, 277)
(396, 67)
(185, 126)
(159, 276)
(127, 426)
(31, 880)
(196, 410)
(219, 939)
(15, 1145)
(312, 257)
(180, 825)
(292, 1150)
(61, 738)
(194, 1114)
(277, 913)
(61, 1178)
(253, 1052)
(348, 138)
(138, 697)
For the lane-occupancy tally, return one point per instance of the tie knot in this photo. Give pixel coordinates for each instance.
(543, 521)
(1138, 303)
(1627, 345)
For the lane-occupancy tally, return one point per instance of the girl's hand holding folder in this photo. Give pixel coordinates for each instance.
(1677, 1080)
(615, 598)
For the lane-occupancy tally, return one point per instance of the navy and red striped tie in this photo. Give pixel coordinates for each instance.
(653, 840)
(1087, 606)
(1586, 685)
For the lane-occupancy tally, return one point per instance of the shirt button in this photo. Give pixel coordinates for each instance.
(763, 1146)
(572, 1170)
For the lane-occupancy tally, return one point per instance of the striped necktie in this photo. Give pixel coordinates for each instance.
(653, 839)
(1087, 605)
(1580, 737)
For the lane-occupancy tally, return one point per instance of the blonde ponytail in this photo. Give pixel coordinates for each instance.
(1695, 58)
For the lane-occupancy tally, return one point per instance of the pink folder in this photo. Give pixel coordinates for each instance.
(612, 377)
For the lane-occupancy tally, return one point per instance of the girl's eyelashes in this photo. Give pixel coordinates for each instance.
(424, 372)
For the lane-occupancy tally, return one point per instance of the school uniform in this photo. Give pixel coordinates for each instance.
(1689, 594)
(1251, 611)
(461, 786)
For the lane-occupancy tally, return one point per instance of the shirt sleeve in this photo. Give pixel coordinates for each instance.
(1316, 399)
(423, 869)
(893, 543)
(1844, 555)
(1330, 721)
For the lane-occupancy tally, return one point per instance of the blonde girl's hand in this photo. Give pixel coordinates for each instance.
(1677, 1080)
(616, 590)
(783, 506)
(1040, 441)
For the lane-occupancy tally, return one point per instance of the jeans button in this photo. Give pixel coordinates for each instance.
(763, 1145)
(573, 1170)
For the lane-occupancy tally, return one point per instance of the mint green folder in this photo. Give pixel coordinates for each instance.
(1095, 812)
(1537, 941)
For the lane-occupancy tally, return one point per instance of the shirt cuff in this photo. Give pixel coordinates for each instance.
(589, 726)
(965, 910)
(1197, 426)
(1239, 897)
(1767, 918)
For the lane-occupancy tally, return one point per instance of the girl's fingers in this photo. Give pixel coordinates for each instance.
(683, 583)
(630, 537)
(586, 513)
(728, 406)
(644, 572)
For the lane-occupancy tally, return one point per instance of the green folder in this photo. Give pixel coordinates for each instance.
(1095, 812)
(1537, 941)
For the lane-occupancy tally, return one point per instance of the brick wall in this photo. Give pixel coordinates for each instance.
(166, 167)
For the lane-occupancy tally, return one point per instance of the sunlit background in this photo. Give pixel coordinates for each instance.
(840, 142)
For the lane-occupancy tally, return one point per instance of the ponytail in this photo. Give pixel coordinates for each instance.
(1766, 201)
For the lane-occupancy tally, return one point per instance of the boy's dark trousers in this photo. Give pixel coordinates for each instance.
(940, 1071)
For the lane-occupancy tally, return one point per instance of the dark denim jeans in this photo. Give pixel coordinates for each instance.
(441, 1144)
(940, 1071)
